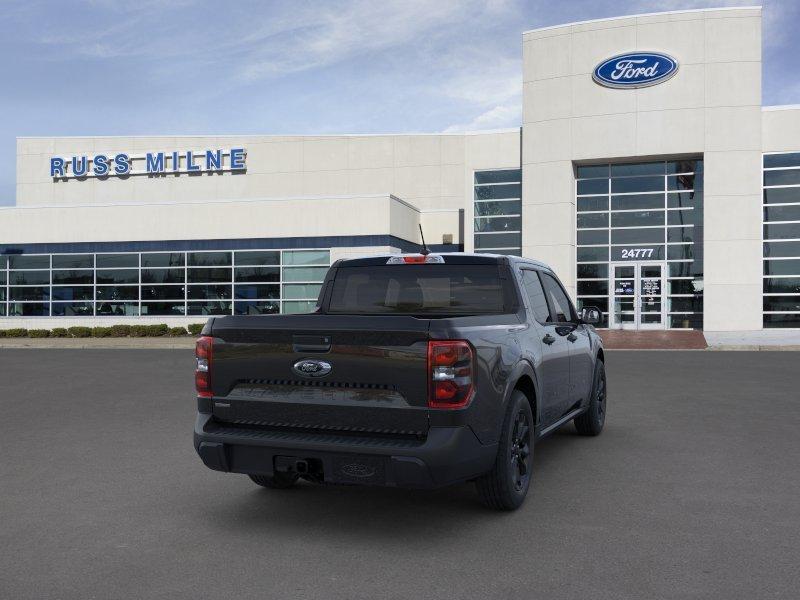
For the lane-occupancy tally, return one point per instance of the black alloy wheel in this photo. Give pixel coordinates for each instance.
(507, 484)
(591, 422)
(600, 400)
(521, 452)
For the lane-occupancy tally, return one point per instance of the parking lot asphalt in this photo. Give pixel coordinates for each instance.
(692, 491)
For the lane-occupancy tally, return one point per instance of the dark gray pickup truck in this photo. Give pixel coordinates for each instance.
(414, 371)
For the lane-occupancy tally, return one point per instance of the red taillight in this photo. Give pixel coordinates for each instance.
(450, 370)
(203, 352)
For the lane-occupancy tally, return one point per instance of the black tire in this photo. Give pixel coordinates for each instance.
(506, 485)
(279, 481)
(591, 422)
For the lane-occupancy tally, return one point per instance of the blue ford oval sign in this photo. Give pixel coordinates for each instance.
(635, 70)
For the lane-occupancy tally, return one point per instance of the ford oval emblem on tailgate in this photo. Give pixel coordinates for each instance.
(311, 367)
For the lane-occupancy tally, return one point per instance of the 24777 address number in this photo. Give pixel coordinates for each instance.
(637, 252)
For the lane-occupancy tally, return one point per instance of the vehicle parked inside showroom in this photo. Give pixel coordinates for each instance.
(416, 370)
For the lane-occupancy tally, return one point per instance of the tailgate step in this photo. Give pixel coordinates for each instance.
(317, 383)
(300, 437)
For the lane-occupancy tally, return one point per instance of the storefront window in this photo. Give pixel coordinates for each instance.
(497, 225)
(781, 300)
(640, 213)
(243, 282)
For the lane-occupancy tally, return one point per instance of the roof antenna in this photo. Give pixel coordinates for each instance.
(424, 250)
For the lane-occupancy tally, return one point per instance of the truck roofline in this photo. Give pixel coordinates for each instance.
(481, 258)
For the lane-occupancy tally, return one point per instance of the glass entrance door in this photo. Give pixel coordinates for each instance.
(637, 295)
(623, 296)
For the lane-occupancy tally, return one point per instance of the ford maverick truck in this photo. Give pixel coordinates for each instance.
(418, 370)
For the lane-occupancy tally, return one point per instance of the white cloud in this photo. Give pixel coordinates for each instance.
(786, 94)
(780, 22)
(259, 41)
(482, 77)
(330, 34)
(486, 83)
(497, 117)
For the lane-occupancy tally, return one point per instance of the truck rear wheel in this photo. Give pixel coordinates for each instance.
(506, 485)
(591, 422)
(279, 481)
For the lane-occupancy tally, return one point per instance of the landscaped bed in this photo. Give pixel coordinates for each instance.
(160, 330)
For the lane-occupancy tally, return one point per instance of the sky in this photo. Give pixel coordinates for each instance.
(160, 67)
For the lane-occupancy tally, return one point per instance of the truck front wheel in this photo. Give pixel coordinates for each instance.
(591, 422)
(506, 485)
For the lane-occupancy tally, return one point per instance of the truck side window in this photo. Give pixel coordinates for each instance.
(562, 311)
(535, 293)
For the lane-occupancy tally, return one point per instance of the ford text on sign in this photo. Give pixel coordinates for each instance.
(635, 70)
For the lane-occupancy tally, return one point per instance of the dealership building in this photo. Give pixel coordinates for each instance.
(646, 172)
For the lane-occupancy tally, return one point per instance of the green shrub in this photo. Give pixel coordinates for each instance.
(16, 332)
(138, 330)
(177, 331)
(120, 330)
(157, 330)
(38, 333)
(101, 332)
(59, 332)
(2, 333)
(80, 332)
(196, 328)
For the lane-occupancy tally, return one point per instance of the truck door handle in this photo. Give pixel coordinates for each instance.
(548, 339)
(572, 337)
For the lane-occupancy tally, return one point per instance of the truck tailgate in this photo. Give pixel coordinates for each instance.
(377, 382)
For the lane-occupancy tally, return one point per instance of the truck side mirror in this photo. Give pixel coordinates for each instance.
(590, 315)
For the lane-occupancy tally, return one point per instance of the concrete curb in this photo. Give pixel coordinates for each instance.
(160, 343)
(614, 348)
(718, 348)
(756, 347)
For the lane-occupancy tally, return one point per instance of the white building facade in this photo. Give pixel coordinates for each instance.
(657, 186)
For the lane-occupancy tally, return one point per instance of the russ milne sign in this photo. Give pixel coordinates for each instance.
(635, 70)
(150, 163)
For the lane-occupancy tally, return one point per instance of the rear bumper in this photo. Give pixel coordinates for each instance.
(448, 454)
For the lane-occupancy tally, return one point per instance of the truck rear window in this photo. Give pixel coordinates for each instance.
(418, 289)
